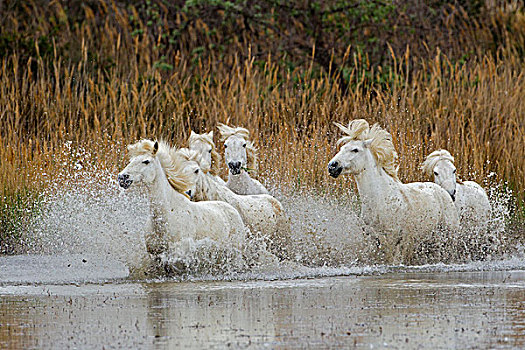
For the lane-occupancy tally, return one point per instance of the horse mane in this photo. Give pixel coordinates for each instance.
(188, 155)
(216, 159)
(381, 144)
(171, 164)
(142, 147)
(432, 159)
(227, 131)
(251, 152)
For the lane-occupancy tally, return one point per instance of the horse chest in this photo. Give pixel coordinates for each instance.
(237, 186)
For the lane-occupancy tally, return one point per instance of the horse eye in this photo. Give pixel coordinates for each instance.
(355, 150)
(435, 173)
(225, 146)
(146, 162)
(197, 171)
(454, 171)
(209, 151)
(244, 145)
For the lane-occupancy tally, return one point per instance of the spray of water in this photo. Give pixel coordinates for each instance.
(83, 211)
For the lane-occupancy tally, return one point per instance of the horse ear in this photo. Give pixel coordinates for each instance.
(155, 147)
(210, 134)
(367, 143)
(192, 133)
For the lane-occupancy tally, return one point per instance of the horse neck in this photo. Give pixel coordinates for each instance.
(211, 190)
(374, 184)
(162, 194)
(206, 189)
(243, 179)
(165, 204)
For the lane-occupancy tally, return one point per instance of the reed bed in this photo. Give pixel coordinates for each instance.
(475, 111)
(50, 106)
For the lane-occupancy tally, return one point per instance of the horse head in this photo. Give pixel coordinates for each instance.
(440, 165)
(351, 159)
(143, 165)
(239, 151)
(191, 168)
(235, 154)
(152, 161)
(204, 145)
(364, 146)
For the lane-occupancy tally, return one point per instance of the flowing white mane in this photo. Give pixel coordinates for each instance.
(381, 144)
(251, 152)
(170, 163)
(227, 131)
(188, 155)
(215, 156)
(432, 159)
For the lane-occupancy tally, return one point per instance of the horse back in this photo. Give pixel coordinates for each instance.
(436, 199)
(217, 219)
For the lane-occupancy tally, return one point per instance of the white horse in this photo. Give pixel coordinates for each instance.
(154, 167)
(470, 199)
(262, 213)
(210, 158)
(241, 157)
(407, 214)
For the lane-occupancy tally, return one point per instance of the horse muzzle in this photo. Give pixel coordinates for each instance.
(124, 181)
(334, 169)
(235, 167)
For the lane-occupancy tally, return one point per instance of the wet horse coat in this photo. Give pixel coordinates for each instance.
(263, 214)
(174, 216)
(470, 199)
(405, 213)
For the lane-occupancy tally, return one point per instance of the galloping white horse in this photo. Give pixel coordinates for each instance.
(263, 214)
(406, 213)
(241, 157)
(210, 158)
(174, 217)
(470, 199)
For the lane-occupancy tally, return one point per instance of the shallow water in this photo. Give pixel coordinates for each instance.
(395, 307)
(72, 288)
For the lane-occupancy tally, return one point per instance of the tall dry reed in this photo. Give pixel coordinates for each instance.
(474, 109)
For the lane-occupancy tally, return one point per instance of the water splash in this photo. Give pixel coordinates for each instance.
(84, 212)
(327, 231)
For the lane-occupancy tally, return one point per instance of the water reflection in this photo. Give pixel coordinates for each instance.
(401, 310)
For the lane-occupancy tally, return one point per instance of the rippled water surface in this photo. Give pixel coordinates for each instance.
(84, 280)
(396, 307)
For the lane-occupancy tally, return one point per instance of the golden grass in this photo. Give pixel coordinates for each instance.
(475, 110)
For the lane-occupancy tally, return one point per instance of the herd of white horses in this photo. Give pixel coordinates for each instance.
(189, 200)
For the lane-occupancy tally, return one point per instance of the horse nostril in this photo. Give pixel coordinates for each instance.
(334, 169)
(453, 194)
(235, 167)
(124, 180)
